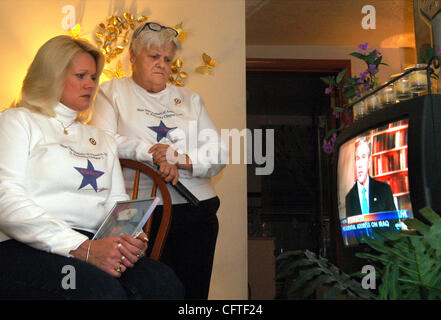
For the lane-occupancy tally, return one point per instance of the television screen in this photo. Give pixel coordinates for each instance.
(373, 182)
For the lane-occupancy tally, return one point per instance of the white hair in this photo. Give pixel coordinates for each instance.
(146, 38)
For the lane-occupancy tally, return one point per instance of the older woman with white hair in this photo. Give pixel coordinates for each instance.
(58, 180)
(168, 126)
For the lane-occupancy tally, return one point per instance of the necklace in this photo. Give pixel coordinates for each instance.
(65, 127)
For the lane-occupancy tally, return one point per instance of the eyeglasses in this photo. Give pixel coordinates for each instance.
(157, 27)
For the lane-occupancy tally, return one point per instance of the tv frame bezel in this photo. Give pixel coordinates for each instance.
(424, 116)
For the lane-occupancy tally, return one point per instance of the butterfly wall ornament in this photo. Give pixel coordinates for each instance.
(118, 73)
(209, 64)
(182, 35)
(75, 31)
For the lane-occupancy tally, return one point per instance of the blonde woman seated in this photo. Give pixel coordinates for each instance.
(58, 180)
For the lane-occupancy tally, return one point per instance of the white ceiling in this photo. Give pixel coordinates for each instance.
(328, 23)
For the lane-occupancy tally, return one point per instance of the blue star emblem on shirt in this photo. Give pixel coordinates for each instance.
(162, 130)
(89, 176)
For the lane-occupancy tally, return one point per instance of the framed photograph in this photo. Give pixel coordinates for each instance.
(127, 217)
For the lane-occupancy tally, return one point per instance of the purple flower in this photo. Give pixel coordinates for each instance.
(358, 93)
(377, 53)
(363, 77)
(363, 47)
(366, 87)
(329, 146)
(328, 90)
(373, 68)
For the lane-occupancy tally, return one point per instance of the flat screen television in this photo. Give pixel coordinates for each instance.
(394, 155)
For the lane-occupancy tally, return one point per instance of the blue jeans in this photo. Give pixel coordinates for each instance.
(28, 273)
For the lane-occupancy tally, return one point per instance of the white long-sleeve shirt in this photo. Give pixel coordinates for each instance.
(51, 183)
(175, 116)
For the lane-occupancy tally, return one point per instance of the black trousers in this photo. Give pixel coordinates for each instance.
(189, 249)
(28, 273)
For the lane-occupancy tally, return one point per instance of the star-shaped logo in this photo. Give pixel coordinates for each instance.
(162, 130)
(89, 176)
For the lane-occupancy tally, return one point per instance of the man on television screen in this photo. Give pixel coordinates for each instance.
(367, 195)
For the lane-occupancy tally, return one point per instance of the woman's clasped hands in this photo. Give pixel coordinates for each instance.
(113, 254)
(169, 161)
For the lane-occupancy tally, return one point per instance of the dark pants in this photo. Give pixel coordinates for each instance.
(28, 273)
(189, 249)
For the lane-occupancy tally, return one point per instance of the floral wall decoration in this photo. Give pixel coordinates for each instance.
(177, 76)
(114, 35)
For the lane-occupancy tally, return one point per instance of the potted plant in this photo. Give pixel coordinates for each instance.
(352, 87)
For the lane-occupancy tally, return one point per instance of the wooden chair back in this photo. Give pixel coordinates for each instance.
(161, 236)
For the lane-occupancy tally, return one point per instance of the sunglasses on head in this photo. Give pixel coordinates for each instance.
(157, 27)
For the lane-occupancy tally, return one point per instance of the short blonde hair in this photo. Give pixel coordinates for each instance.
(44, 82)
(144, 39)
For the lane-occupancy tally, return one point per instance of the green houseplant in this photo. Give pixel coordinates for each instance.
(304, 273)
(408, 266)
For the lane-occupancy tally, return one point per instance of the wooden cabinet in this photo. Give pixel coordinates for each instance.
(261, 268)
(389, 159)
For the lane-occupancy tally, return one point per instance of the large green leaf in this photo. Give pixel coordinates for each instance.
(430, 215)
(358, 55)
(384, 287)
(330, 133)
(417, 225)
(339, 109)
(304, 277)
(350, 93)
(289, 254)
(288, 268)
(321, 280)
(340, 76)
(328, 80)
(393, 283)
(372, 257)
(370, 58)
